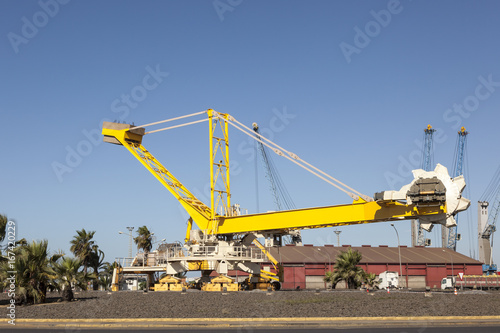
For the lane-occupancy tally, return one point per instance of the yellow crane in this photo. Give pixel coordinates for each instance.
(433, 197)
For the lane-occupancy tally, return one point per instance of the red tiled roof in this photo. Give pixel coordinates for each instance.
(411, 255)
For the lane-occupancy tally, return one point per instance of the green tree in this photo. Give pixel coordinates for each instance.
(109, 268)
(3, 227)
(3, 232)
(330, 278)
(82, 246)
(68, 275)
(35, 273)
(346, 269)
(105, 280)
(370, 280)
(144, 240)
(106, 274)
(96, 262)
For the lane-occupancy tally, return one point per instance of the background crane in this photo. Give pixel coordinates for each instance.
(450, 235)
(417, 232)
(282, 199)
(487, 223)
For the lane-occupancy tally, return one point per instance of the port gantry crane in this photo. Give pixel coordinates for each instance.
(224, 239)
(450, 235)
(487, 218)
(282, 199)
(417, 232)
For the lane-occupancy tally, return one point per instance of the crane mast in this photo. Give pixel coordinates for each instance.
(418, 235)
(450, 235)
(487, 219)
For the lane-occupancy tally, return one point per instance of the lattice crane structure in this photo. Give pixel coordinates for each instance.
(450, 235)
(487, 219)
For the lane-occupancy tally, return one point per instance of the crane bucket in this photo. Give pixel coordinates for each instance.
(432, 188)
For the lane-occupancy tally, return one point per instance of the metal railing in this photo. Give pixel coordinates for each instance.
(176, 253)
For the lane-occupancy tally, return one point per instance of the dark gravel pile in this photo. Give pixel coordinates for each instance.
(196, 304)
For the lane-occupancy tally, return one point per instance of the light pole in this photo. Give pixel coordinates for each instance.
(399, 252)
(329, 260)
(451, 260)
(337, 232)
(129, 241)
(161, 240)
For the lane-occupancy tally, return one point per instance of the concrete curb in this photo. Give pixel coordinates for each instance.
(427, 321)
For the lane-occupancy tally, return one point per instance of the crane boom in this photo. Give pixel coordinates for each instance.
(132, 140)
(387, 207)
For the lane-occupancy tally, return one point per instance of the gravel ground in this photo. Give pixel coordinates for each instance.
(197, 304)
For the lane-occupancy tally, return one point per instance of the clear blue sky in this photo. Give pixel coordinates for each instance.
(358, 82)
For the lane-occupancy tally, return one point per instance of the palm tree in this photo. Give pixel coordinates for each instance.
(109, 268)
(346, 269)
(105, 280)
(144, 240)
(82, 245)
(3, 232)
(370, 280)
(34, 271)
(330, 278)
(96, 262)
(68, 276)
(3, 227)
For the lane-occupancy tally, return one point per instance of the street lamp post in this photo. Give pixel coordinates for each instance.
(451, 260)
(399, 252)
(329, 259)
(129, 241)
(161, 240)
(337, 232)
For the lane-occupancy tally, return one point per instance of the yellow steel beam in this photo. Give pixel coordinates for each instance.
(198, 211)
(273, 260)
(357, 213)
(267, 253)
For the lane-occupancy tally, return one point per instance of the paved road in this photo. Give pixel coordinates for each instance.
(481, 329)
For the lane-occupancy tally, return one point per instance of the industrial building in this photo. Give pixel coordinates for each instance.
(305, 266)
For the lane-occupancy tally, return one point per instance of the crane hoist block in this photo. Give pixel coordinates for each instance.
(135, 135)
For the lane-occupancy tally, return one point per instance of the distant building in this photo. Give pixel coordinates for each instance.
(305, 266)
